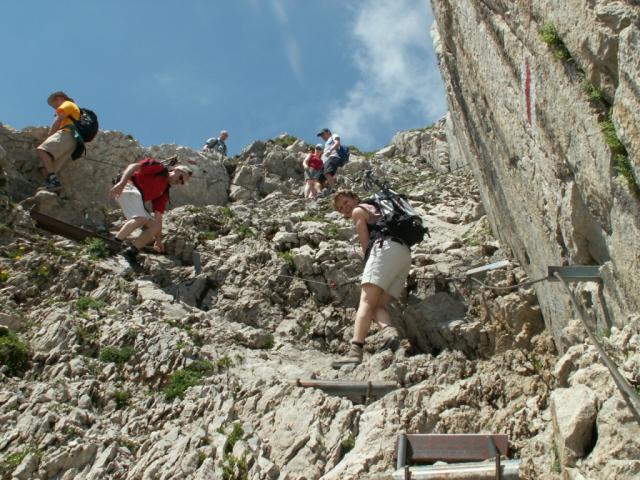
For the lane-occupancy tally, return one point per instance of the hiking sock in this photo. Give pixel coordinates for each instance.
(357, 344)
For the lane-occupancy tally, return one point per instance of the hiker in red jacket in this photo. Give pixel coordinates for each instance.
(146, 181)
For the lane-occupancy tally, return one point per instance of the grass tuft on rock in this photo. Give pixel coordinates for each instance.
(9, 463)
(96, 248)
(85, 303)
(549, 35)
(183, 379)
(14, 353)
(119, 356)
(594, 93)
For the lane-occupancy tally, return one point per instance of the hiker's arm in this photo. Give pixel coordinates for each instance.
(360, 217)
(305, 162)
(127, 174)
(55, 126)
(158, 246)
(336, 144)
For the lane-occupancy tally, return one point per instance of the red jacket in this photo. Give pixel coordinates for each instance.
(153, 182)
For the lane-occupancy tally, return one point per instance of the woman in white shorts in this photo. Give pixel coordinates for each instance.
(388, 262)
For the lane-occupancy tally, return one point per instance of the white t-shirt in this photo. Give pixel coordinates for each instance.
(328, 145)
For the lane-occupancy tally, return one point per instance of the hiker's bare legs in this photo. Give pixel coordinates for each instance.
(130, 226)
(47, 160)
(382, 316)
(372, 302)
(331, 180)
(154, 226)
(315, 188)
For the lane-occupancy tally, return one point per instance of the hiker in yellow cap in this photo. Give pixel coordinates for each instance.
(56, 150)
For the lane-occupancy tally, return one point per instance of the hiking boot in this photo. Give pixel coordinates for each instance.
(131, 256)
(52, 184)
(354, 357)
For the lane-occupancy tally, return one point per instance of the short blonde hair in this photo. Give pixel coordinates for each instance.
(344, 193)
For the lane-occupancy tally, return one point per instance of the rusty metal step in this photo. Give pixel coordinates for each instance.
(358, 392)
(69, 231)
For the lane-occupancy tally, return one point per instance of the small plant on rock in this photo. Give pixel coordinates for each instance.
(287, 256)
(182, 379)
(285, 140)
(14, 353)
(83, 304)
(595, 94)
(347, 444)
(11, 461)
(96, 248)
(235, 468)
(119, 356)
(122, 399)
(224, 363)
(549, 35)
(236, 434)
(4, 276)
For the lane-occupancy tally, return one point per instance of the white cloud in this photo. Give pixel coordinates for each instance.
(280, 11)
(397, 69)
(291, 44)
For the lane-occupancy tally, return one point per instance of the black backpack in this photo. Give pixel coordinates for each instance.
(343, 155)
(398, 219)
(85, 129)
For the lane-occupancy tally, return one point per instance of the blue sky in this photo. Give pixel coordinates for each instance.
(180, 71)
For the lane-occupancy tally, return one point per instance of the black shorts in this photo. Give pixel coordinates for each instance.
(332, 165)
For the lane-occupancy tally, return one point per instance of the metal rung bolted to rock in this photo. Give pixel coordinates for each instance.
(69, 231)
(575, 273)
(486, 268)
(416, 455)
(358, 392)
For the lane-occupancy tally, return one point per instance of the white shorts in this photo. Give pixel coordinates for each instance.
(388, 266)
(131, 202)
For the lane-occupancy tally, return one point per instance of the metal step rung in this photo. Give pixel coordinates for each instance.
(575, 273)
(356, 391)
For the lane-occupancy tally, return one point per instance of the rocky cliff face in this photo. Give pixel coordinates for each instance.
(185, 372)
(549, 126)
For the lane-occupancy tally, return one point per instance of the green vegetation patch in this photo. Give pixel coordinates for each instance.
(14, 353)
(549, 35)
(96, 248)
(122, 398)
(11, 461)
(182, 379)
(235, 468)
(347, 444)
(594, 93)
(287, 256)
(621, 163)
(119, 356)
(83, 304)
(4, 276)
(285, 140)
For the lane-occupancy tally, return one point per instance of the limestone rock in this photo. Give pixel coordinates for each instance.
(574, 413)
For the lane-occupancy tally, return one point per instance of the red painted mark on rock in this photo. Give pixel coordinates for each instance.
(527, 89)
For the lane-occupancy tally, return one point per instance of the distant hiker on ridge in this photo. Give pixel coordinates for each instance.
(217, 144)
(312, 164)
(56, 150)
(388, 261)
(145, 181)
(330, 156)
